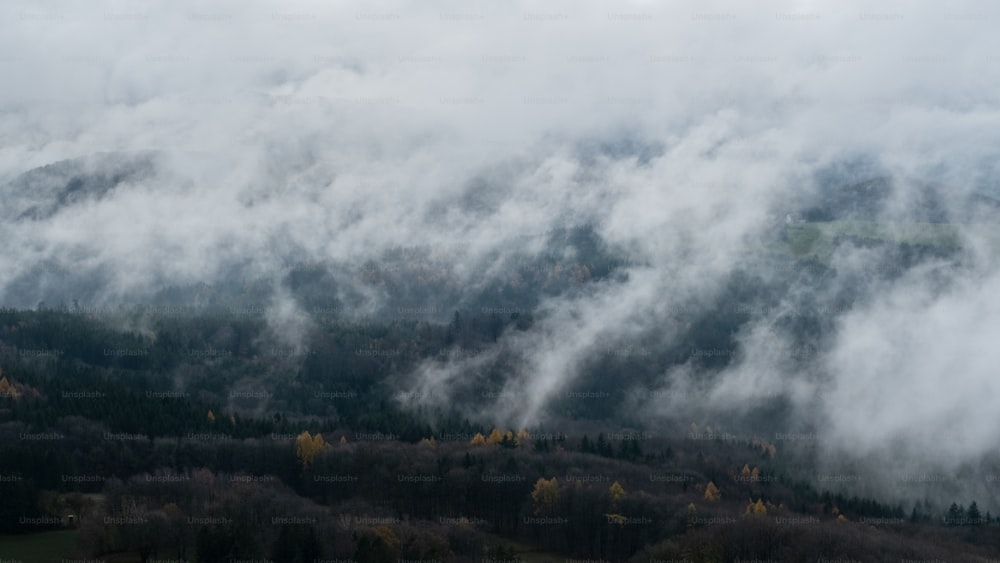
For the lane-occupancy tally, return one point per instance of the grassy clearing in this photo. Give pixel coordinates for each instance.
(815, 240)
(527, 553)
(43, 547)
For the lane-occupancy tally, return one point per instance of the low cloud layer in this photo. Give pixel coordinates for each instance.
(259, 136)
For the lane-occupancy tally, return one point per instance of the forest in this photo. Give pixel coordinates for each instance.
(202, 443)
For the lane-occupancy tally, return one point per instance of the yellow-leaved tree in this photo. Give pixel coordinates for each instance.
(478, 439)
(307, 446)
(495, 437)
(522, 437)
(712, 493)
(756, 507)
(765, 447)
(617, 492)
(545, 494)
(7, 389)
(211, 416)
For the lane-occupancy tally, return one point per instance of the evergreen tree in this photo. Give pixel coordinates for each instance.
(285, 549)
(973, 514)
(312, 548)
(954, 513)
(603, 447)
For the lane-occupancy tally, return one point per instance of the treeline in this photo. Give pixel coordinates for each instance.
(342, 369)
(452, 501)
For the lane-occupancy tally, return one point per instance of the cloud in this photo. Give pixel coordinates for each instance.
(313, 133)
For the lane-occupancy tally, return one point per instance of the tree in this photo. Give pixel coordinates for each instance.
(523, 436)
(545, 494)
(495, 437)
(603, 447)
(177, 534)
(712, 493)
(312, 548)
(766, 448)
(692, 512)
(296, 545)
(756, 507)
(478, 440)
(954, 514)
(20, 499)
(211, 416)
(213, 544)
(7, 389)
(509, 440)
(307, 446)
(973, 514)
(629, 449)
(285, 549)
(378, 546)
(617, 492)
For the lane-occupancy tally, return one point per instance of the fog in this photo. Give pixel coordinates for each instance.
(333, 134)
